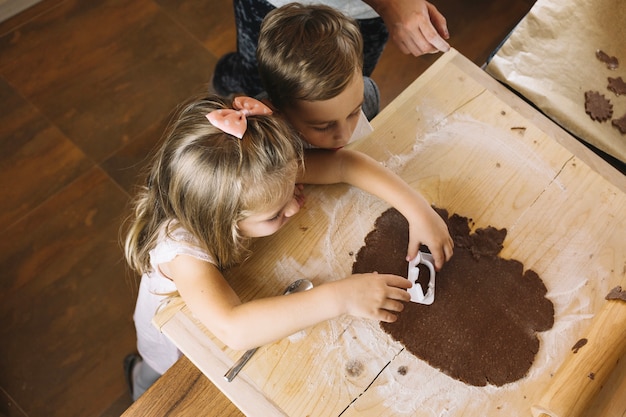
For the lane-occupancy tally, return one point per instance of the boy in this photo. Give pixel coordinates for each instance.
(310, 62)
(415, 26)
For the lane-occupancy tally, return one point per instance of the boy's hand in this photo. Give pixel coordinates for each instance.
(432, 231)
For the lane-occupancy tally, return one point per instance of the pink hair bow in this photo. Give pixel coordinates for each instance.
(233, 121)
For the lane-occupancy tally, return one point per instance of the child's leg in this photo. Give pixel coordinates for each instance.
(237, 72)
(375, 37)
(143, 376)
(371, 98)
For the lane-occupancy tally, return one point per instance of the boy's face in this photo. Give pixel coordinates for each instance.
(329, 123)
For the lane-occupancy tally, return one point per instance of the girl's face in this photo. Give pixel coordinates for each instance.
(329, 124)
(268, 221)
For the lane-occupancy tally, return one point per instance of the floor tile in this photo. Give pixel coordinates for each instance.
(213, 26)
(36, 159)
(66, 302)
(105, 71)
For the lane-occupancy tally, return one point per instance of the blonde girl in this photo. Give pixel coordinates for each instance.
(223, 175)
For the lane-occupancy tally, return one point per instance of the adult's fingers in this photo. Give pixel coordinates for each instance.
(438, 20)
(434, 39)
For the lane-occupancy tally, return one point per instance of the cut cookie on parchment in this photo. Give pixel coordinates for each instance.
(610, 61)
(617, 85)
(597, 106)
(620, 124)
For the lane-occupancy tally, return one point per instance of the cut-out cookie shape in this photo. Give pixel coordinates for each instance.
(611, 62)
(597, 106)
(620, 124)
(617, 85)
(481, 328)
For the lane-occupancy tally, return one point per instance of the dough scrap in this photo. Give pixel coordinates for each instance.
(616, 294)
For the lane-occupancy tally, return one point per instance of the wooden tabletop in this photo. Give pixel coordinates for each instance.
(183, 391)
(472, 147)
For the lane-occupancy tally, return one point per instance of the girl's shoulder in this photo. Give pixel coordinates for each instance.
(174, 240)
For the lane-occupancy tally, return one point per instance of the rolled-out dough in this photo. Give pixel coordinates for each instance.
(482, 327)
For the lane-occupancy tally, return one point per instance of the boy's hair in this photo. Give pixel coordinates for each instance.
(307, 53)
(206, 181)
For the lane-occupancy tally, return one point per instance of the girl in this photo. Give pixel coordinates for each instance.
(222, 176)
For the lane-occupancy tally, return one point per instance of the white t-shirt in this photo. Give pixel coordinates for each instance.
(362, 129)
(356, 9)
(154, 347)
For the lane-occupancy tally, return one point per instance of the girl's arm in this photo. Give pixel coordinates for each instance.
(245, 325)
(360, 170)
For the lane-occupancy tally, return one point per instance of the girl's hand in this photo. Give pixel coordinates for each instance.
(373, 296)
(431, 230)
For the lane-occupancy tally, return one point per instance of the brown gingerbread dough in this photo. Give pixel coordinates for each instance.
(481, 328)
(582, 342)
(620, 124)
(597, 106)
(616, 293)
(617, 85)
(611, 62)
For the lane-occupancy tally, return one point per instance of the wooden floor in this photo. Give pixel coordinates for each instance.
(86, 88)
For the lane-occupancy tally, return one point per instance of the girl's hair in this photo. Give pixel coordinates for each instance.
(205, 181)
(307, 53)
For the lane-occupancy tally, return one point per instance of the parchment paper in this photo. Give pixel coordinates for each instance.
(550, 59)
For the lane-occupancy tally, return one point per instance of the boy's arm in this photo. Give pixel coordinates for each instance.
(360, 170)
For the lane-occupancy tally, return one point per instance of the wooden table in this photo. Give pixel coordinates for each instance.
(472, 147)
(183, 391)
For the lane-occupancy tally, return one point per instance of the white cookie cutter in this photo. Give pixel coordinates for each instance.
(417, 294)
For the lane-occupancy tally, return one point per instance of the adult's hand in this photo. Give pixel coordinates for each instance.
(416, 26)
